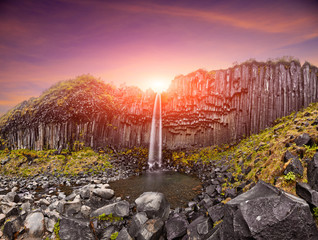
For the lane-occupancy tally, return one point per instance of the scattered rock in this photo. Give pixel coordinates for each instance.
(71, 229)
(304, 191)
(123, 235)
(312, 172)
(303, 139)
(151, 230)
(154, 204)
(216, 212)
(34, 224)
(294, 166)
(136, 223)
(176, 226)
(118, 209)
(104, 193)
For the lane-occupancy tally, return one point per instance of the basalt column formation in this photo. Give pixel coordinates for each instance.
(205, 108)
(200, 109)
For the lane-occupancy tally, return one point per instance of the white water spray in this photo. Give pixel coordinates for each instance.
(155, 146)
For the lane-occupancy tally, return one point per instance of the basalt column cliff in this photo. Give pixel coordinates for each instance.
(206, 108)
(199, 109)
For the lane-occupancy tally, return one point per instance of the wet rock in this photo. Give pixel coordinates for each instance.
(123, 235)
(136, 223)
(303, 139)
(118, 209)
(71, 229)
(154, 204)
(151, 230)
(265, 212)
(104, 193)
(216, 212)
(304, 191)
(176, 226)
(312, 172)
(34, 224)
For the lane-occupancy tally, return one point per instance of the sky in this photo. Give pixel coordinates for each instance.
(143, 42)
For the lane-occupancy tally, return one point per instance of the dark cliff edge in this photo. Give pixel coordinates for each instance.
(200, 109)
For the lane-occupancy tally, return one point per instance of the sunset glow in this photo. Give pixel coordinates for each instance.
(159, 85)
(43, 42)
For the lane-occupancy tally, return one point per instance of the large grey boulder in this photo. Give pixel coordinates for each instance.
(71, 229)
(265, 212)
(312, 172)
(117, 209)
(154, 204)
(35, 224)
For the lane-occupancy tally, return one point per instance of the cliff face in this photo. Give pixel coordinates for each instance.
(206, 108)
(199, 109)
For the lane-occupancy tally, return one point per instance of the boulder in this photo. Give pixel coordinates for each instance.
(71, 229)
(265, 212)
(304, 191)
(86, 211)
(312, 172)
(199, 228)
(35, 224)
(12, 228)
(294, 166)
(123, 235)
(216, 212)
(104, 193)
(118, 209)
(303, 139)
(151, 230)
(154, 204)
(176, 226)
(136, 223)
(73, 207)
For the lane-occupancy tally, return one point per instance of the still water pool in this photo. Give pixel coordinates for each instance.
(178, 188)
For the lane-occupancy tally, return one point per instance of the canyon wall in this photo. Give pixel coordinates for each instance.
(199, 109)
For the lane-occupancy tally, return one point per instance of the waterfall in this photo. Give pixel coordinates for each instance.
(155, 146)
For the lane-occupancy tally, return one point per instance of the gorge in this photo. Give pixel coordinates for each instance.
(200, 109)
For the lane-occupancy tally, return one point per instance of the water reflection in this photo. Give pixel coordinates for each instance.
(178, 188)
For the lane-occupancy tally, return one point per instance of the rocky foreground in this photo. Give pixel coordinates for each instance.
(92, 211)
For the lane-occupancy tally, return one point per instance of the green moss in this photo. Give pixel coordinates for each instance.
(114, 236)
(110, 218)
(56, 230)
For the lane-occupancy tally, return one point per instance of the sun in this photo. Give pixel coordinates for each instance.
(159, 85)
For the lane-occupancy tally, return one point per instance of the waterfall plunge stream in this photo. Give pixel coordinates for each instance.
(155, 146)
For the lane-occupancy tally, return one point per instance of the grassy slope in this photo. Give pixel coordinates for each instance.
(264, 152)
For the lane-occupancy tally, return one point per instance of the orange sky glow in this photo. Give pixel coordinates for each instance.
(143, 42)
